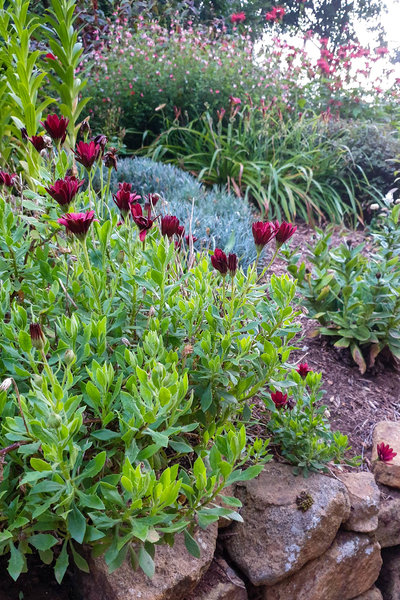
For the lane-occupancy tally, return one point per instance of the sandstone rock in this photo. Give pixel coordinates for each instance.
(371, 594)
(389, 433)
(388, 532)
(364, 497)
(348, 568)
(177, 573)
(389, 579)
(277, 538)
(219, 583)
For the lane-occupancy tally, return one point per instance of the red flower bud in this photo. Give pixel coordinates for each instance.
(56, 127)
(110, 159)
(263, 233)
(284, 231)
(232, 264)
(385, 453)
(101, 140)
(279, 399)
(64, 190)
(219, 261)
(303, 369)
(77, 223)
(37, 338)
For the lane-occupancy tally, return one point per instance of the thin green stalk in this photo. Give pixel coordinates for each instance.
(92, 282)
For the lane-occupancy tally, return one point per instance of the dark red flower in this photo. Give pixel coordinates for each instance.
(280, 400)
(180, 232)
(385, 453)
(77, 223)
(263, 233)
(143, 223)
(50, 56)
(87, 154)
(56, 127)
(303, 369)
(110, 159)
(219, 261)
(238, 17)
(7, 179)
(284, 231)
(232, 264)
(169, 225)
(124, 198)
(64, 190)
(37, 338)
(38, 142)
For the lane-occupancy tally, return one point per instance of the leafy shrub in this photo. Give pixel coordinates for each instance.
(219, 219)
(372, 147)
(355, 296)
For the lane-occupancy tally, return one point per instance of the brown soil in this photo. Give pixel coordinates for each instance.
(355, 402)
(38, 584)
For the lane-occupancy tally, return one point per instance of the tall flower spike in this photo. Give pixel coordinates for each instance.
(64, 190)
(219, 261)
(77, 223)
(56, 127)
(142, 222)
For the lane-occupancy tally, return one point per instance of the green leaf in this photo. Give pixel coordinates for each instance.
(80, 562)
(146, 563)
(191, 545)
(40, 465)
(42, 541)
(76, 524)
(16, 562)
(61, 563)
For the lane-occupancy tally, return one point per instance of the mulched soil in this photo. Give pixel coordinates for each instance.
(355, 402)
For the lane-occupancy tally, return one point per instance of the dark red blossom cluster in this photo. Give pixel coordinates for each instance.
(125, 197)
(303, 369)
(56, 127)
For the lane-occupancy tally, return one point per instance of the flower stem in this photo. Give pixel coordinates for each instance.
(92, 283)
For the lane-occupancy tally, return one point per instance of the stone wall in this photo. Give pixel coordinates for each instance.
(320, 538)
